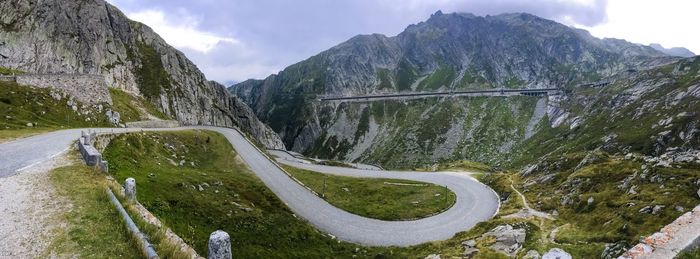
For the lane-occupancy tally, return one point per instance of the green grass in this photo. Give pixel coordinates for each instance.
(690, 254)
(614, 214)
(20, 105)
(378, 198)
(443, 76)
(9, 135)
(235, 201)
(94, 228)
(406, 75)
(412, 130)
(156, 236)
(270, 230)
(472, 80)
(132, 108)
(170, 193)
(124, 103)
(152, 77)
(465, 165)
(10, 71)
(384, 79)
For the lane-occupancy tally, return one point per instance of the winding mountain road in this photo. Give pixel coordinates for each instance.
(475, 202)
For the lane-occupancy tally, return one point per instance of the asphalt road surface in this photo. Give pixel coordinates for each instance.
(475, 202)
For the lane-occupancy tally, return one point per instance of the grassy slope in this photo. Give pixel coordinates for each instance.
(374, 198)
(171, 194)
(404, 143)
(9, 71)
(95, 230)
(20, 105)
(613, 207)
(194, 214)
(691, 254)
(132, 108)
(636, 132)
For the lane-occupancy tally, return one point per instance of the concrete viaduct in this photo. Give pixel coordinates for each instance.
(408, 96)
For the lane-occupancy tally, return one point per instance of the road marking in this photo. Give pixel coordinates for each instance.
(41, 161)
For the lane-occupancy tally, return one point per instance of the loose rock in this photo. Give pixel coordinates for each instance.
(657, 209)
(532, 254)
(509, 240)
(556, 253)
(614, 250)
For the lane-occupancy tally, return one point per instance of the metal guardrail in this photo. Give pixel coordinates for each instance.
(146, 246)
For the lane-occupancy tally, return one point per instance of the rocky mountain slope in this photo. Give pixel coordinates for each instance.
(94, 37)
(613, 157)
(448, 51)
(676, 51)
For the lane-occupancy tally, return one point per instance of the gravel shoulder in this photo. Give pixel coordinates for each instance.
(30, 210)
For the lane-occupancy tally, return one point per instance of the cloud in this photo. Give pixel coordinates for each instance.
(232, 62)
(182, 33)
(241, 39)
(585, 12)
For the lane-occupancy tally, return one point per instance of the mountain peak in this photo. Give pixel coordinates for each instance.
(675, 51)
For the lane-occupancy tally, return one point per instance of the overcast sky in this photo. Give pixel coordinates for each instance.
(234, 40)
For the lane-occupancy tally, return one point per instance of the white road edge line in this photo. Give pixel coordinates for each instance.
(43, 160)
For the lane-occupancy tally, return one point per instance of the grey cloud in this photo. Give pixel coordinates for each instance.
(279, 33)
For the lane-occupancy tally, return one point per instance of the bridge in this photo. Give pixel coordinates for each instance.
(407, 96)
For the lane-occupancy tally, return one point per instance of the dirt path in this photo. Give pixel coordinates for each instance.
(30, 210)
(527, 211)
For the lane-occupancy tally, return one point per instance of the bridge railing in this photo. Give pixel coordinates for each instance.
(491, 92)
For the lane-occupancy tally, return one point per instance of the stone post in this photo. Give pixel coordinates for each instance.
(219, 245)
(130, 189)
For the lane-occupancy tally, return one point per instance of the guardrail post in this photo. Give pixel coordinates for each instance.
(219, 245)
(130, 189)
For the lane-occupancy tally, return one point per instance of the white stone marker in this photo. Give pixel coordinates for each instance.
(130, 189)
(219, 245)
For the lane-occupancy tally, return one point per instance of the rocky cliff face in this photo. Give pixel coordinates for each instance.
(447, 52)
(93, 37)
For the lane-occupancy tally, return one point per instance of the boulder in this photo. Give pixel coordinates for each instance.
(647, 209)
(509, 240)
(469, 243)
(469, 252)
(614, 250)
(556, 253)
(433, 256)
(113, 117)
(532, 254)
(657, 209)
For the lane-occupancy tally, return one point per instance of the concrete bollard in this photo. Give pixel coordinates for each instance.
(219, 245)
(130, 189)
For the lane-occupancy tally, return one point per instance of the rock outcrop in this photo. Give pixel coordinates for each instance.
(509, 240)
(93, 37)
(556, 253)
